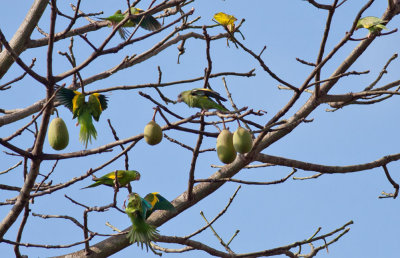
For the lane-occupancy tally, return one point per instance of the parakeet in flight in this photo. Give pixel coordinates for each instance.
(201, 98)
(373, 24)
(84, 111)
(123, 176)
(138, 210)
(148, 23)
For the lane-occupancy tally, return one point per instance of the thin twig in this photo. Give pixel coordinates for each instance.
(217, 217)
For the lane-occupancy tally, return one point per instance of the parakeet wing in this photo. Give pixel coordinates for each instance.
(200, 98)
(157, 202)
(97, 103)
(208, 93)
(103, 101)
(149, 22)
(65, 97)
(163, 204)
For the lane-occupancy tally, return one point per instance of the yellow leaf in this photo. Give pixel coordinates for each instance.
(224, 19)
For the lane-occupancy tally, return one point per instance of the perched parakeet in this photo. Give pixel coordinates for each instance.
(138, 210)
(148, 23)
(373, 24)
(200, 98)
(124, 177)
(157, 202)
(84, 111)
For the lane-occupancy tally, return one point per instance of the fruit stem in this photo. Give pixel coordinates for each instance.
(155, 112)
(238, 122)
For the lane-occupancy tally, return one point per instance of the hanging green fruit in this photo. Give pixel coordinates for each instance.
(153, 133)
(242, 140)
(58, 134)
(225, 150)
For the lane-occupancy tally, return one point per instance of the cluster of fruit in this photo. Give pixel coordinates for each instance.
(229, 144)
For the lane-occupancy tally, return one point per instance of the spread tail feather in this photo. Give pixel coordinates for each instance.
(87, 129)
(142, 233)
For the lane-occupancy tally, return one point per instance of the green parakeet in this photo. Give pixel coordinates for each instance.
(124, 177)
(140, 232)
(373, 24)
(148, 23)
(157, 202)
(84, 111)
(200, 98)
(138, 210)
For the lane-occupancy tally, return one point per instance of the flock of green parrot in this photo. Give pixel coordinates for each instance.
(139, 209)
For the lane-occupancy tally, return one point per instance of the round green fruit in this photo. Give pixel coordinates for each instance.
(225, 150)
(242, 140)
(153, 133)
(58, 134)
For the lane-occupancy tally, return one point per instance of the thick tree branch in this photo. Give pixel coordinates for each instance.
(326, 169)
(21, 37)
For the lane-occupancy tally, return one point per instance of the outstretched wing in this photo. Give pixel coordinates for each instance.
(97, 103)
(73, 100)
(148, 23)
(65, 97)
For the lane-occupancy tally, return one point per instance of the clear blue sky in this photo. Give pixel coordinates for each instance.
(267, 216)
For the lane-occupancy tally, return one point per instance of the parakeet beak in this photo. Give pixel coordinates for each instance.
(179, 98)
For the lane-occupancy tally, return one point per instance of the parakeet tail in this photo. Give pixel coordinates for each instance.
(219, 107)
(87, 129)
(142, 233)
(92, 185)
